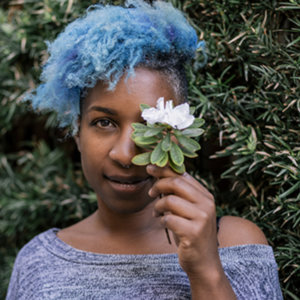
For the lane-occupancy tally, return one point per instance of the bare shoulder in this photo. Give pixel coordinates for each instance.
(235, 231)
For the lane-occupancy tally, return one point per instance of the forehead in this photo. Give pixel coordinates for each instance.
(146, 86)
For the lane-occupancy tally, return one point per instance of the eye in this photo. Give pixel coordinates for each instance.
(103, 123)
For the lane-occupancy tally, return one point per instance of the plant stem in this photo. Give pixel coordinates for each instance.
(168, 236)
(166, 229)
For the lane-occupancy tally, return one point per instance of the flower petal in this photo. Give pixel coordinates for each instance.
(178, 117)
(160, 104)
(151, 115)
(186, 122)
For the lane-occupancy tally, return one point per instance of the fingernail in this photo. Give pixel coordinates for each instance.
(150, 167)
(150, 192)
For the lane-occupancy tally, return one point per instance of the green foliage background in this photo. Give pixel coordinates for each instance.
(248, 93)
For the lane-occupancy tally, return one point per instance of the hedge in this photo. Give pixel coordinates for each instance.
(248, 93)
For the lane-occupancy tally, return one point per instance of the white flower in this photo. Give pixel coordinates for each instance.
(178, 117)
(154, 115)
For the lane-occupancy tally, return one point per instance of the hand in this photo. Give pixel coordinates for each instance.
(188, 210)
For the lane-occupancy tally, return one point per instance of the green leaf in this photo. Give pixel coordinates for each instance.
(139, 126)
(156, 154)
(166, 142)
(188, 143)
(177, 132)
(290, 190)
(193, 132)
(144, 106)
(141, 140)
(141, 159)
(153, 131)
(192, 109)
(197, 123)
(176, 154)
(137, 133)
(164, 160)
(149, 147)
(188, 153)
(177, 169)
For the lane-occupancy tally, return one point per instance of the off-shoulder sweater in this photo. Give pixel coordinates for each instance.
(47, 268)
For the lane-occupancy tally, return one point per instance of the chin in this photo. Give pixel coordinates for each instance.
(125, 205)
(124, 198)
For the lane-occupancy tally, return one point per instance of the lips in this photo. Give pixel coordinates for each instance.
(127, 179)
(127, 183)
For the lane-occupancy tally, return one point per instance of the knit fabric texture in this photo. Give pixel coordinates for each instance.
(48, 268)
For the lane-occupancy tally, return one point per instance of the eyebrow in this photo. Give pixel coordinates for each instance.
(103, 109)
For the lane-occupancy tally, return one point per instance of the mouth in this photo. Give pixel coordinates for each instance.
(127, 180)
(127, 184)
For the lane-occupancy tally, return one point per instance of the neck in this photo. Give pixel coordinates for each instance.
(129, 224)
(106, 231)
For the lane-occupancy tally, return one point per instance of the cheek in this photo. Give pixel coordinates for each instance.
(93, 155)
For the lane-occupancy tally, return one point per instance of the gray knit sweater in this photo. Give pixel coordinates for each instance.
(47, 268)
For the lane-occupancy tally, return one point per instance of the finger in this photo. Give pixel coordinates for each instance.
(181, 227)
(172, 185)
(167, 172)
(160, 172)
(180, 187)
(189, 229)
(175, 205)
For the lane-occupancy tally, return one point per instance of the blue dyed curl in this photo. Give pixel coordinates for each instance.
(102, 45)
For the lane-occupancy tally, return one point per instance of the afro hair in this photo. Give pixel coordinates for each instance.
(104, 44)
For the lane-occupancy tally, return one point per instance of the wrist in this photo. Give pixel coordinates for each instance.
(211, 276)
(213, 285)
(208, 271)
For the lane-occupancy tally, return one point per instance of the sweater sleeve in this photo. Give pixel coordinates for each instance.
(252, 272)
(13, 287)
(22, 268)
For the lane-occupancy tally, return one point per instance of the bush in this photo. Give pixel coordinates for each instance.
(248, 94)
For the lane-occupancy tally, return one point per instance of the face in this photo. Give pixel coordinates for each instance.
(104, 139)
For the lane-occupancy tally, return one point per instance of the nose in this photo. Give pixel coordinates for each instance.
(124, 148)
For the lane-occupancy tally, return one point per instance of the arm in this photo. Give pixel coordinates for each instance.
(233, 231)
(188, 210)
(236, 231)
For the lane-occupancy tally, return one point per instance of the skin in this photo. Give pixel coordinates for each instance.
(132, 220)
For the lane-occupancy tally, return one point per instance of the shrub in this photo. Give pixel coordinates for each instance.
(248, 94)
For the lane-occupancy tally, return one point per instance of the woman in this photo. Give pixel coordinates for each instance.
(101, 68)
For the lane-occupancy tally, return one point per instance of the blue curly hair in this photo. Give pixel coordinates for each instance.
(107, 42)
